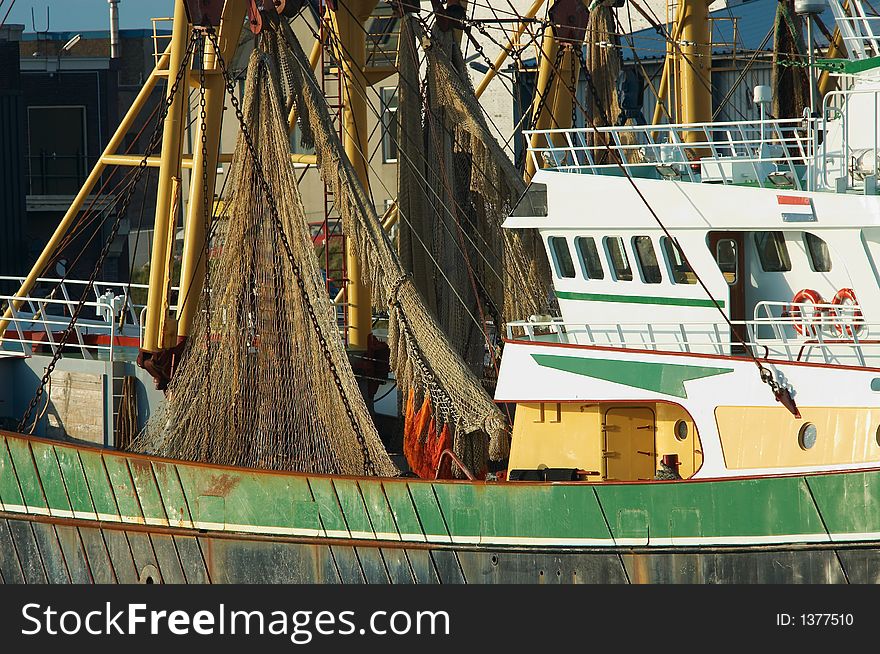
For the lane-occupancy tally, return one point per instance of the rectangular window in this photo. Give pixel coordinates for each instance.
(817, 250)
(617, 259)
(679, 269)
(647, 259)
(726, 256)
(56, 150)
(591, 264)
(533, 203)
(561, 256)
(772, 251)
(389, 124)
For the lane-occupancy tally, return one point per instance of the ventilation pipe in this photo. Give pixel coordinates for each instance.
(114, 28)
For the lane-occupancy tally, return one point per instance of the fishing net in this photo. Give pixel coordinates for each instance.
(423, 359)
(264, 380)
(790, 84)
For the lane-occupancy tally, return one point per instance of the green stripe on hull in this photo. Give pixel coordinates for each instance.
(665, 378)
(638, 299)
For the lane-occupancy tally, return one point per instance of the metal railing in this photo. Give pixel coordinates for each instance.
(44, 314)
(772, 153)
(831, 334)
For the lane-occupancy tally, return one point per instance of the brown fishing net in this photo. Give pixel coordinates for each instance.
(264, 381)
(791, 91)
(422, 357)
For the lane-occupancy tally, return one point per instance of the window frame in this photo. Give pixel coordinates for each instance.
(785, 259)
(583, 261)
(809, 250)
(389, 115)
(641, 264)
(615, 275)
(551, 240)
(670, 254)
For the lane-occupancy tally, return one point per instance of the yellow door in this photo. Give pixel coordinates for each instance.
(629, 444)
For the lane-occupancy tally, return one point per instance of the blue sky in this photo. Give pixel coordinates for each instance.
(73, 15)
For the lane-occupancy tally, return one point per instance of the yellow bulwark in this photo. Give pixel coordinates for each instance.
(607, 441)
(770, 437)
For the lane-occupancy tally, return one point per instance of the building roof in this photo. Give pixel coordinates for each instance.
(753, 20)
(92, 34)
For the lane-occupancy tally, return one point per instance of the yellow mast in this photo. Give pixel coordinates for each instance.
(694, 56)
(204, 167)
(156, 327)
(557, 72)
(347, 25)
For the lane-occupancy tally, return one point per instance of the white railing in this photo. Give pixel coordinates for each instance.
(859, 30)
(44, 314)
(831, 334)
(857, 158)
(772, 153)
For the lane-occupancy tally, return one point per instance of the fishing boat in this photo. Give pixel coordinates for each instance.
(702, 410)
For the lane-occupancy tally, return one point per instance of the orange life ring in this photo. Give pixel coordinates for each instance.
(803, 323)
(846, 297)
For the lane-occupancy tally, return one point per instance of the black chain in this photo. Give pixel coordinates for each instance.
(208, 215)
(126, 201)
(369, 466)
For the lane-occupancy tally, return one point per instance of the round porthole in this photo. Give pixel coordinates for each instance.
(877, 436)
(681, 430)
(807, 436)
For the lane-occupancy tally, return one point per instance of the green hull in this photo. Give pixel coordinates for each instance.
(83, 514)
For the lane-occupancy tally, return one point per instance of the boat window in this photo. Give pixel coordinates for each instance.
(772, 251)
(561, 256)
(679, 268)
(591, 264)
(726, 256)
(533, 203)
(617, 259)
(817, 249)
(647, 259)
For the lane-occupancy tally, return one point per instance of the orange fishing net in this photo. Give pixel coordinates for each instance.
(422, 445)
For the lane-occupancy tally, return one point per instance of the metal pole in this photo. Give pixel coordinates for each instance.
(169, 170)
(114, 29)
(194, 258)
(90, 183)
(347, 23)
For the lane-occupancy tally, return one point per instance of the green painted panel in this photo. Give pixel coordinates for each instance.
(352, 506)
(75, 481)
(377, 507)
(10, 493)
(147, 492)
(50, 476)
(173, 499)
(850, 503)
(665, 378)
(27, 473)
(123, 488)
(461, 505)
(328, 505)
(749, 507)
(638, 299)
(402, 508)
(428, 510)
(508, 510)
(251, 498)
(99, 485)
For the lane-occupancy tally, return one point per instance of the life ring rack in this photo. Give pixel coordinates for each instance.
(847, 312)
(803, 324)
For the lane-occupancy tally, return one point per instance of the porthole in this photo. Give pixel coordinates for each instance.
(807, 436)
(681, 430)
(877, 436)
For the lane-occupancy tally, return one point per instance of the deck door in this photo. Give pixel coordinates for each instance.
(630, 450)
